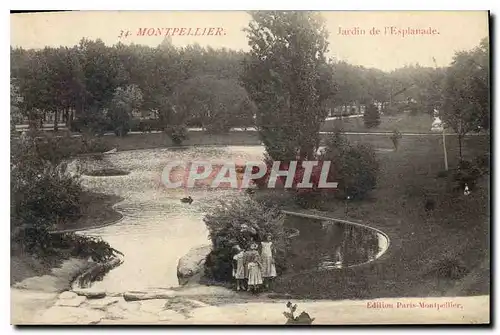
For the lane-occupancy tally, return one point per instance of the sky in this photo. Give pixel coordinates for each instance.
(454, 31)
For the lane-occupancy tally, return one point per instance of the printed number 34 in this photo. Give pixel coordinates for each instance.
(124, 34)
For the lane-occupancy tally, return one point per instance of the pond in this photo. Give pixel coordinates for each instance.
(325, 244)
(158, 229)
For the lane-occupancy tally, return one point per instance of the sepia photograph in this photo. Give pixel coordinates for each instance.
(250, 168)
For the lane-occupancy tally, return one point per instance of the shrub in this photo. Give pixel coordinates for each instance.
(356, 167)
(177, 134)
(46, 195)
(395, 138)
(43, 193)
(83, 246)
(45, 148)
(371, 116)
(466, 173)
(483, 162)
(303, 319)
(94, 122)
(146, 125)
(237, 222)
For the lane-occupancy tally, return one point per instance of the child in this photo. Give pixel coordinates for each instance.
(238, 268)
(268, 266)
(254, 266)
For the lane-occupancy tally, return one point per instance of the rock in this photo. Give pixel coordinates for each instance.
(68, 315)
(170, 315)
(72, 302)
(123, 310)
(90, 293)
(190, 267)
(153, 306)
(128, 313)
(102, 304)
(67, 295)
(138, 295)
(196, 303)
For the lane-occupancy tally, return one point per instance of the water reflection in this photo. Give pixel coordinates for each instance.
(325, 244)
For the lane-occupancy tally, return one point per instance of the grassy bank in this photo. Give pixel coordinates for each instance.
(402, 122)
(425, 247)
(97, 211)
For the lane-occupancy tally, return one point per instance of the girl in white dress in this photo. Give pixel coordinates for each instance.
(239, 268)
(268, 264)
(254, 266)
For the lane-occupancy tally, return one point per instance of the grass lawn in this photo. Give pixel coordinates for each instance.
(403, 122)
(421, 245)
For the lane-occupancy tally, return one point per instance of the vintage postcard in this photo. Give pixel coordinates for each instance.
(239, 168)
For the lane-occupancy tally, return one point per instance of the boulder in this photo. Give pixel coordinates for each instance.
(102, 304)
(71, 302)
(191, 267)
(62, 315)
(67, 295)
(147, 295)
(90, 293)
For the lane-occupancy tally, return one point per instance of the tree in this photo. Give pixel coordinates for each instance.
(32, 86)
(102, 73)
(466, 93)
(125, 101)
(286, 75)
(15, 101)
(371, 116)
(218, 104)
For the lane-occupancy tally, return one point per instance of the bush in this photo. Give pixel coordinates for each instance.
(303, 319)
(355, 167)
(395, 138)
(46, 148)
(483, 162)
(45, 196)
(238, 222)
(467, 172)
(43, 193)
(95, 123)
(177, 134)
(83, 246)
(146, 125)
(371, 116)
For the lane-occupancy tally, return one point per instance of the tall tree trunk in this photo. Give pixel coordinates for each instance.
(460, 138)
(66, 117)
(56, 120)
